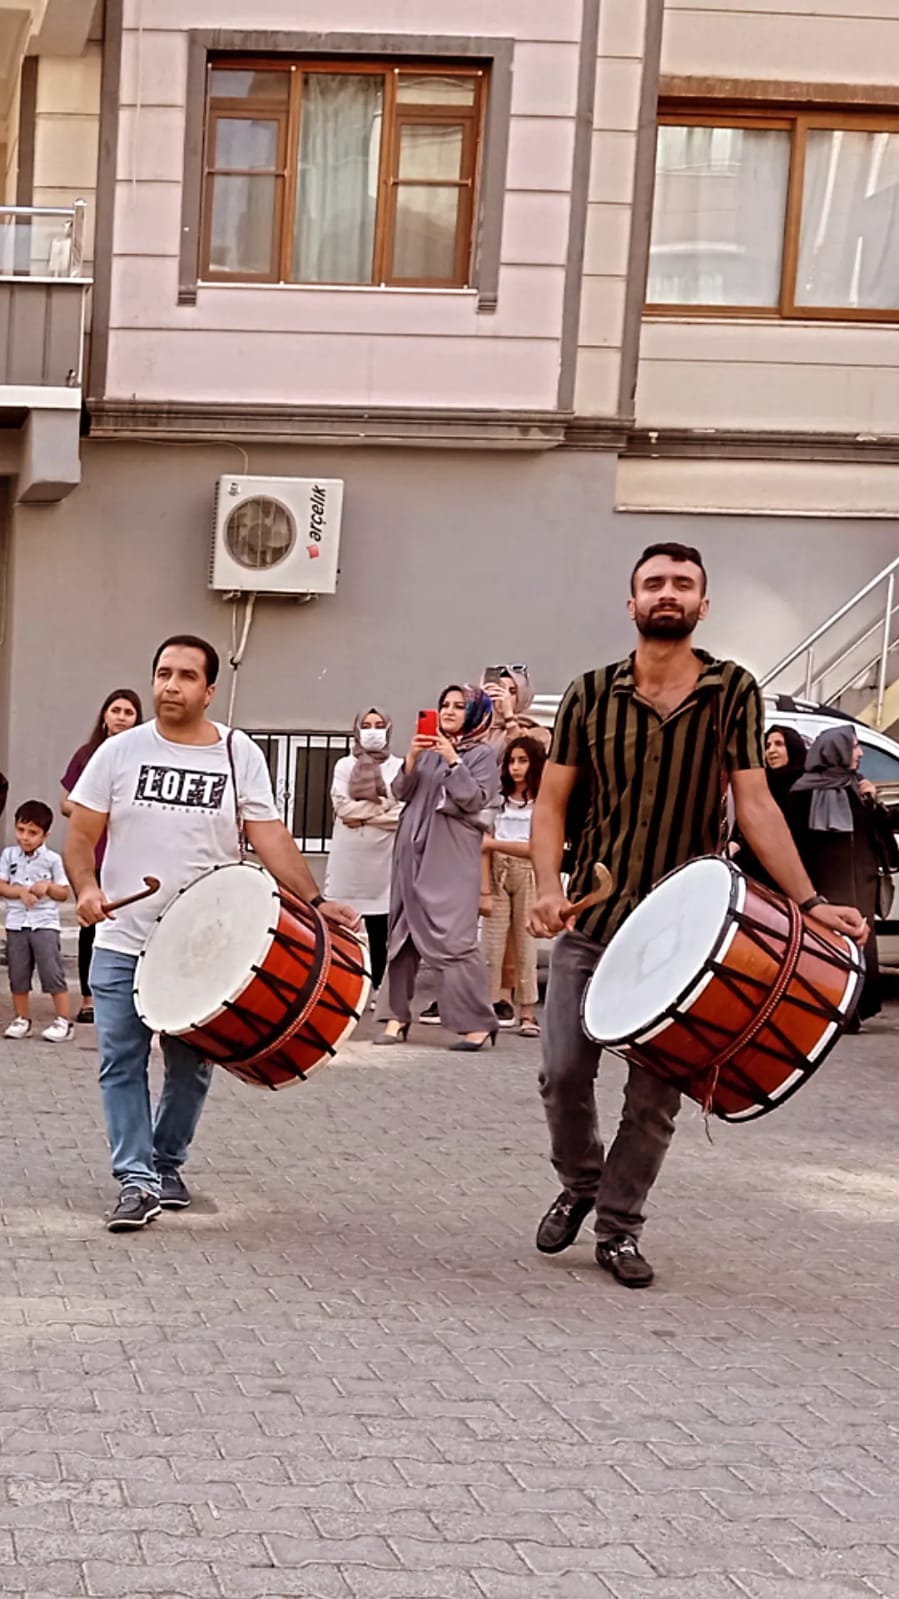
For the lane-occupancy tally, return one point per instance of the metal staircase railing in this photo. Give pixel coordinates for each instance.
(815, 676)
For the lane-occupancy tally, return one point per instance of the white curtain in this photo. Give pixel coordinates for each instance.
(337, 193)
(849, 240)
(718, 216)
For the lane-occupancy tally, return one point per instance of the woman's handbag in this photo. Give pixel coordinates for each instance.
(886, 893)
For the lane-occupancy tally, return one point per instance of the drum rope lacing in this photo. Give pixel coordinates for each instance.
(778, 989)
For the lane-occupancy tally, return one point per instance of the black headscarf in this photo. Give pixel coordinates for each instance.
(782, 778)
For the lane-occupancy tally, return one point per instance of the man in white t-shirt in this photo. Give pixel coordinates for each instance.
(165, 793)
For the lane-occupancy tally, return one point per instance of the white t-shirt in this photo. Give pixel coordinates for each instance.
(513, 823)
(171, 815)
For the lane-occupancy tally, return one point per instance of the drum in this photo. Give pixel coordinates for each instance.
(724, 989)
(253, 978)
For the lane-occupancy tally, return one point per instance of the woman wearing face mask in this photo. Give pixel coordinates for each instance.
(365, 821)
(844, 837)
(120, 711)
(448, 783)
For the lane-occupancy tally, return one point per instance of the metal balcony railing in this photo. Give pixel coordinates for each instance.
(43, 297)
(817, 673)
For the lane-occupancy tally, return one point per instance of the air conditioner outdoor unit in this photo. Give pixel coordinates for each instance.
(276, 535)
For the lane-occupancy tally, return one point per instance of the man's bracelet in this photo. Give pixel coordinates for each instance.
(317, 899)
(812, 901)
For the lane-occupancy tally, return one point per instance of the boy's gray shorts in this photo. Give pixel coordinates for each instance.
(27, 947)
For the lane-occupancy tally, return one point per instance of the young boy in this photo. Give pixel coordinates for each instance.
(33, 879)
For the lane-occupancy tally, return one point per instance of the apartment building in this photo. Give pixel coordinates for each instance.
(535, 284)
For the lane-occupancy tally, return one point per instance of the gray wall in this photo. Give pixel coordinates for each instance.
(449, 560)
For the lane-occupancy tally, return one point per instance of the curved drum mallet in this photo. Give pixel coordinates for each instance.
(600, 893)
(153, 887)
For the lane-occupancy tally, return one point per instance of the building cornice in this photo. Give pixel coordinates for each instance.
(379, 427)
(435, 428)
(757, 444)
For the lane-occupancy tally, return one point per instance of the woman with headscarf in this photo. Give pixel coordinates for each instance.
(450, 786)
(844, 837)
(366, 815)
(512, 696)
(785, 752)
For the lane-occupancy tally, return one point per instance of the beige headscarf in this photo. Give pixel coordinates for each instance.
(522, 681)
(366, 778)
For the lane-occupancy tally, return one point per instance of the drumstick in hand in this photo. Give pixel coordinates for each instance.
(152, 887)
(600, 893)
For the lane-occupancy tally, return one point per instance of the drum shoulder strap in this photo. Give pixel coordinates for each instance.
(241, 834)
(723, 775)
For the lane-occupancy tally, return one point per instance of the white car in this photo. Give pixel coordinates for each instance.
(880, 763)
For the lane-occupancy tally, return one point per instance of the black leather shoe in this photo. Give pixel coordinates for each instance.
(562, 1222)
(622, 1258)
(135, 1208)
(174, 1193)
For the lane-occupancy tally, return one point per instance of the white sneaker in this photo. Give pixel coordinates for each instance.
(20, 1027)
(59, 1031)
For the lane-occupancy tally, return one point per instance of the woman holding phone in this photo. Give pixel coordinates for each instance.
(448, 781)
(510, 689)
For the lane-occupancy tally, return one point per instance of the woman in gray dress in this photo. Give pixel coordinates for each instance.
(447, 783)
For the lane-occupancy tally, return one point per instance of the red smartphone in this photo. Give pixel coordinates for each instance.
(427, 724)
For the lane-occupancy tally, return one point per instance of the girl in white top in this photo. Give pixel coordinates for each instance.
(512, 891)
(365, 821)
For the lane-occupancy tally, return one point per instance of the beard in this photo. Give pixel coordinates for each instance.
(666, 624)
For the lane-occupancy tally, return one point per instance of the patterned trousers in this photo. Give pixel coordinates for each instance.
(512, 883)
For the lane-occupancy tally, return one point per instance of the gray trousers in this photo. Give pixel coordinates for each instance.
(622, 1179)
(463, 990)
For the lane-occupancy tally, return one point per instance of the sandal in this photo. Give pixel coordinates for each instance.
(529, 1029)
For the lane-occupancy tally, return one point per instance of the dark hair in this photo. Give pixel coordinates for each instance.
(675, 552)
(37, 812)
(536, 755)
(99, 730)
(189, 641)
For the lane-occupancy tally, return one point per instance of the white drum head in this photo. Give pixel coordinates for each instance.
(661, 952)
(202, 951)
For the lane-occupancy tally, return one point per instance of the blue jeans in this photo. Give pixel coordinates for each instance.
(142, 1146)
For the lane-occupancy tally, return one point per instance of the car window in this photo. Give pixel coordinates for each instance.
(879, 766)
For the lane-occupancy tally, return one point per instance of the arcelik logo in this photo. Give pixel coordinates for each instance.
(317, 514)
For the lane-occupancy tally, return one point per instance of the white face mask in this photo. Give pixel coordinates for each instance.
(373, 738)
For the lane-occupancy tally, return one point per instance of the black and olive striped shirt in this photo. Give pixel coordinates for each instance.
(649, 796)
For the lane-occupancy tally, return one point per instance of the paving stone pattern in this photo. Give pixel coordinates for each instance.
(346, 1373)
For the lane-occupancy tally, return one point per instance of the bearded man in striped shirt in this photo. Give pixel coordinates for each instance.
(645, 749)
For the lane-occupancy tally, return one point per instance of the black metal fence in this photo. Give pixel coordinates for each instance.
(302, 766)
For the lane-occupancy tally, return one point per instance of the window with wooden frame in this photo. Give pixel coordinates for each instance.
(790, 214)
(340, 172)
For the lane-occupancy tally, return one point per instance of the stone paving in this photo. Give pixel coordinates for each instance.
(346, 1374)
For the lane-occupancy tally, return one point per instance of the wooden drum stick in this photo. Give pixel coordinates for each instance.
(600, 893)
(132, 899)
